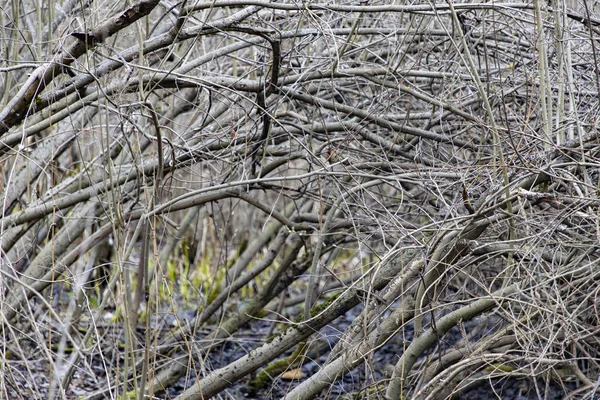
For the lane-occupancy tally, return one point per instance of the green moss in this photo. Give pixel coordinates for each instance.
(261, 313)
(370, 393)
(131, 394)
(277, 367)
(117, 315)
(270, 338)
(142, 316)
(172, 270)
(265, 376)
(317, 309)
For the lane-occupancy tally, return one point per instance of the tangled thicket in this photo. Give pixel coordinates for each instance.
(432, 168)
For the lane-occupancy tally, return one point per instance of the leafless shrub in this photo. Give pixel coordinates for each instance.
(174, 172)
